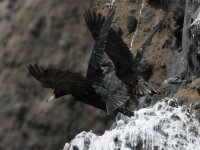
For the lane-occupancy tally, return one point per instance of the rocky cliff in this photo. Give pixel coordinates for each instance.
(166, 125)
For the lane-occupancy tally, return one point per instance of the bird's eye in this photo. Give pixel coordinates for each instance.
(58, 93)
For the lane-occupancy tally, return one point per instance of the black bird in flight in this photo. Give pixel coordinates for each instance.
(85, 89)
(126, 67)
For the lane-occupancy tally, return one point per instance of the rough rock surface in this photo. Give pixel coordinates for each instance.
(166, 125)
(53, 33)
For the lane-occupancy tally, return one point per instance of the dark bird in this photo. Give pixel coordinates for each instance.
(87, 89)
(126, 67)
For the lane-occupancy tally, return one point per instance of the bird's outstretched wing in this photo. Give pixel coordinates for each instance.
(117, 50)
(94, 22)
(56, 79)
(119, 53)
(94, 72)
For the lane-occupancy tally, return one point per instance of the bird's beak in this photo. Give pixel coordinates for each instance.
(51, 97)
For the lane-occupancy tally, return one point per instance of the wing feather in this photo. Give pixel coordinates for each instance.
(52, 78)
(119, 52)
(94, 22)
(94, 72)
(116, 48)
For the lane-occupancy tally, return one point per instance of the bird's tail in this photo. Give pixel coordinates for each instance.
(115, 101)
(144, 88)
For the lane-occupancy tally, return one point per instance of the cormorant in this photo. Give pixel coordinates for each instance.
(87, 89)
(126, 67)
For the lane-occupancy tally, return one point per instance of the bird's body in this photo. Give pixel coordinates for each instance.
(90, 96)
(94, 94)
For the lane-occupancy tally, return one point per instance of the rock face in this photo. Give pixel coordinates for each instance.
(53, 33)
(131, 21)
(166, 125)
(190, 64)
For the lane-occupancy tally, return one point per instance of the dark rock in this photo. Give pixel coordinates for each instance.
(147, 14)
(75, 148)
(195, 30)
(179, 11)
(189, 64)
(172, 63)
(193, 62)
(139, 144)
(144, 101)
(166, 43)
(173, 104)
(178, 16)
(146, 30)
(86, 143)
(159, 4)
(38, 27)
(146, 70)
(156, 23)
(198, 55)
(131, 21)
(196, 106)
(154, 3)
(124, 110)
(163, 66)
(169, 87)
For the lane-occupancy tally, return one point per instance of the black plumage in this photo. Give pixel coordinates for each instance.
(118, 51)
(87, 89)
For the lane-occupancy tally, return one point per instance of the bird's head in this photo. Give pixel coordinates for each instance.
(56, 94)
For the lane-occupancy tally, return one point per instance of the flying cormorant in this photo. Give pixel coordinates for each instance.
(87, 89)
(126, 67)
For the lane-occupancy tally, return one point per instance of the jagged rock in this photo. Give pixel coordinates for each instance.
(165, 125)
(146, 69)
(146, 29)
(166, 43)
(179, 11)
(171, 85)
(38, 26)
(178, 16)
(147, 14)
(189, 64)
(131, 21)
(145, 101)
(157, 22)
